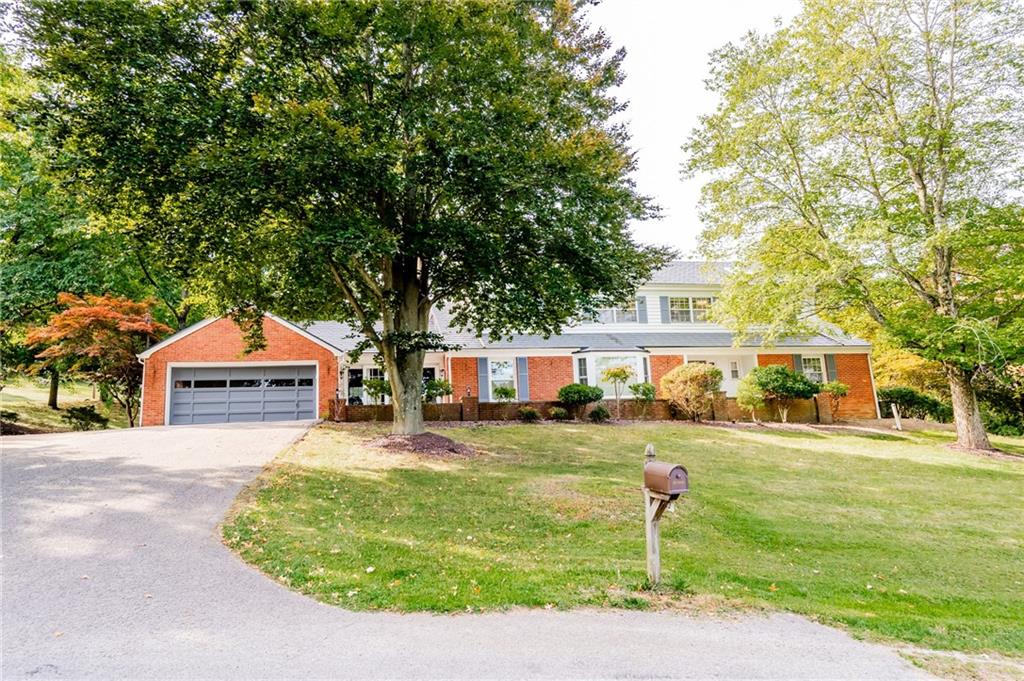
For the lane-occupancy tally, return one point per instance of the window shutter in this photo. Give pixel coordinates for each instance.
(830, 368)
(665, 316)
(798, 363)
(522, 368)
(641, 309)
(482, 382)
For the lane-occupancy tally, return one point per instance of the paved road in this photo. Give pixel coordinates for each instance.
(112, 568)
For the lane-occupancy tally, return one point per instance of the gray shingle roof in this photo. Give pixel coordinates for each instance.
(692, 272)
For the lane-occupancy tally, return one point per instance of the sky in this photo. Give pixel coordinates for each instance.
(667, 47)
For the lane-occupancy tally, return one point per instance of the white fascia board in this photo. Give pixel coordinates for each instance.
(760, 350)
(174, 338)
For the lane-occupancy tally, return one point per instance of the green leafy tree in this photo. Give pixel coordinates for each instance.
(690, 388)
(643, 397)
(376, 389)
(436, 387)
(836, 390)
(868, 156)
(749, 396)
(781, 387)
(365, 162)
(618, 377)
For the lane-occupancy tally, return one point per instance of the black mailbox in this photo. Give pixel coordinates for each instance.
(666, 478)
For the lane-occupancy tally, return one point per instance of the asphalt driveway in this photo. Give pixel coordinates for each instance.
(113, 568)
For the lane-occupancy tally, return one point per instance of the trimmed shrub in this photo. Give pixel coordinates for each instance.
(782, 386)
(528, 414)
(691, 387)
(558, 414)
(836, 390)
(84, 418)
(504, 393)
(643, 396)
(577, 396)
(599, 414)
(912, 404)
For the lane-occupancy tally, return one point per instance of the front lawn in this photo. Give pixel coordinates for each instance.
(892, 535)
(26, 396)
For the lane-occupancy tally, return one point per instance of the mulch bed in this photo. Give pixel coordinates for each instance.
(424, 444)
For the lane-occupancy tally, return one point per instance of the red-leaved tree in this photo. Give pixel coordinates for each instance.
(99, 337)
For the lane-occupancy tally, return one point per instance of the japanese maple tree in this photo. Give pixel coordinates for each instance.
(100, 337)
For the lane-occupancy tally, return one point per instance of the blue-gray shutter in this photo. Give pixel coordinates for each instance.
(665, 316)
(830, 368)
(641, 309)
(798, 363)
(482, 382)
(522, 368)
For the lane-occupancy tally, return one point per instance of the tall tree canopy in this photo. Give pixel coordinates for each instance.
(869, 156)
(359, 161)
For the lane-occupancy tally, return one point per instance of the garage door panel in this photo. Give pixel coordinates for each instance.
(227, 395)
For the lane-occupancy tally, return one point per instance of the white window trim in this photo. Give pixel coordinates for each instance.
(490, 376)
(824, 367)
(615, 314)
(692, 310)
(594, 378)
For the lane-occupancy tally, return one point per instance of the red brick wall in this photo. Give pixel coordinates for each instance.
(661, 365)
(221, 341)
(768, 360)
(463, 377)
(855, 371)
(547, 375)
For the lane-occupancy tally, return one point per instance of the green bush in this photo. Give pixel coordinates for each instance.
(781, 386)
(528, 414)
(1000, 422)
(643, 397)
(558, 414)
(912, 404)
(576, 396)
(599, 414)
(84, 418)
(749, 396)
(690, 388)
(504, 393)
(836, 390)
(9, 416)
(376, 389)
(435, 388)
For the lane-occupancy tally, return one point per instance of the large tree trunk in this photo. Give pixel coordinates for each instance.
(403, 356)
(51, 401)
(970, 431)
(407, 394)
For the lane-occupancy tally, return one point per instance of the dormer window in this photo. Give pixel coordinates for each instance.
(617, 315)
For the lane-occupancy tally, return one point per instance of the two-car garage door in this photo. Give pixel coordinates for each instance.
(236, 394)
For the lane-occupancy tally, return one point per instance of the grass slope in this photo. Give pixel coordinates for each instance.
(27, 398)
(892, 535)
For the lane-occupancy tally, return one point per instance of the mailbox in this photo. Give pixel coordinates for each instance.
(666, 478)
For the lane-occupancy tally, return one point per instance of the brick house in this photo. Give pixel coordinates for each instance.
(201, 374)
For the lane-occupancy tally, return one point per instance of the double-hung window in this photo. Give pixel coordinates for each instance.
(734, 369)
(617, 315)
(679, 310)
(581, 370)
(813, 368)
(503, 374)
(689, 309)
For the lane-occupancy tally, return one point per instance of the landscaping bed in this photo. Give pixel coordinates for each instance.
(893, 535)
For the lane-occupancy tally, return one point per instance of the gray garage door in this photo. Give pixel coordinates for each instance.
(270, 393)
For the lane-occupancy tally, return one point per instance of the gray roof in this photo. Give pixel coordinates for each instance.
(669, 339)
(692, 272)
(344, 337)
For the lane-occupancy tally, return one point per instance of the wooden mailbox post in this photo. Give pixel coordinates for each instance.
(663, 483)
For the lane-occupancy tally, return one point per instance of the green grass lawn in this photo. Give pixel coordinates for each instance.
(26, 396)
(895, 536)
